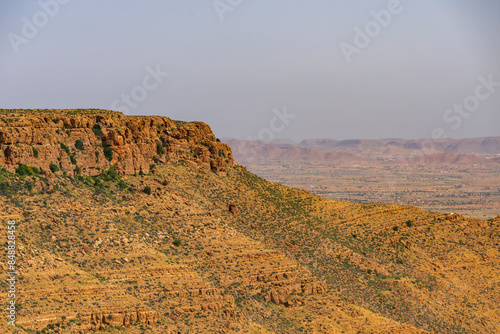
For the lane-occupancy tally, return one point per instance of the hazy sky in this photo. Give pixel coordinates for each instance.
(342, 69)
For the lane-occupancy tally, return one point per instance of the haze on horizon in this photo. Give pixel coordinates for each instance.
(235, 64)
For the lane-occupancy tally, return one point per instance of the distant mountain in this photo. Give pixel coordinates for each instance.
(448, 159)
(362, 151)
(248, 152)
(479, 146)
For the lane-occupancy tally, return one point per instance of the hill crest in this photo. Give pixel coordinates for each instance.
(88, 141)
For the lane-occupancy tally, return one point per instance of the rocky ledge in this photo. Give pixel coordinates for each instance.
(88, 141)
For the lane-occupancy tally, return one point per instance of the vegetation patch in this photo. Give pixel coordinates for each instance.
(79, 144)
(24, 170)
(159, 148)
(97, 130)
(108, 152)
(53, 167)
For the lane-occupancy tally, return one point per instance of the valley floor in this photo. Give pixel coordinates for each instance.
(470, 191)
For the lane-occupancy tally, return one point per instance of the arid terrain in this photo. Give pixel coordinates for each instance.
(148, 225)
(455, 176)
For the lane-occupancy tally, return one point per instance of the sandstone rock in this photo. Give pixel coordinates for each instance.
(276, 298)
(233, 209)
(137, 143)
(99, 319)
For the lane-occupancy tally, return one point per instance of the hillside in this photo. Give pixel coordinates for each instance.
(168, 234)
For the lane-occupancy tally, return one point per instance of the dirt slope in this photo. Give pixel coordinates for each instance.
(193, 247)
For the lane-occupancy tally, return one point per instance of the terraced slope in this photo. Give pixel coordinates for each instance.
(190, 249)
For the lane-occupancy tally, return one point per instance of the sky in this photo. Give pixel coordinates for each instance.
(263, 69)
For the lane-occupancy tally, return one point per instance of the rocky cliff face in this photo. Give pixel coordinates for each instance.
(88, 141)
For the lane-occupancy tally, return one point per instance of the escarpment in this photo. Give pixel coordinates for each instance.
(88, 141)
(181, 249)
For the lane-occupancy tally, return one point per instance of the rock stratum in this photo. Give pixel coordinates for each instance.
(96, 139)
(197, 244)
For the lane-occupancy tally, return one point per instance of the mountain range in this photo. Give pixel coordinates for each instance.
(474, 151)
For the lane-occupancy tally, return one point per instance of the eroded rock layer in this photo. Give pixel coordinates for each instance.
(89, 141)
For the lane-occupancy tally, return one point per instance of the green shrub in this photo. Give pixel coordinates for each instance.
(66, 148)
(108, 153)
(35, 152)
(53, 167)
(180, 124)
(110, 174)
(97, 130)
(79, 144)
(159, 149)
(24, 170)
(409, 223)
(28, 185)
(147, 190)
(73, 160)
(5, 189)
(177, 242)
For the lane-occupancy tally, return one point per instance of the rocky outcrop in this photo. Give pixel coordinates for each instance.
(233, 209)
(280, 296)
(99, 319)
(88, 141)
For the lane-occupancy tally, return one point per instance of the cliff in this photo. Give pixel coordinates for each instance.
(88, 141)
